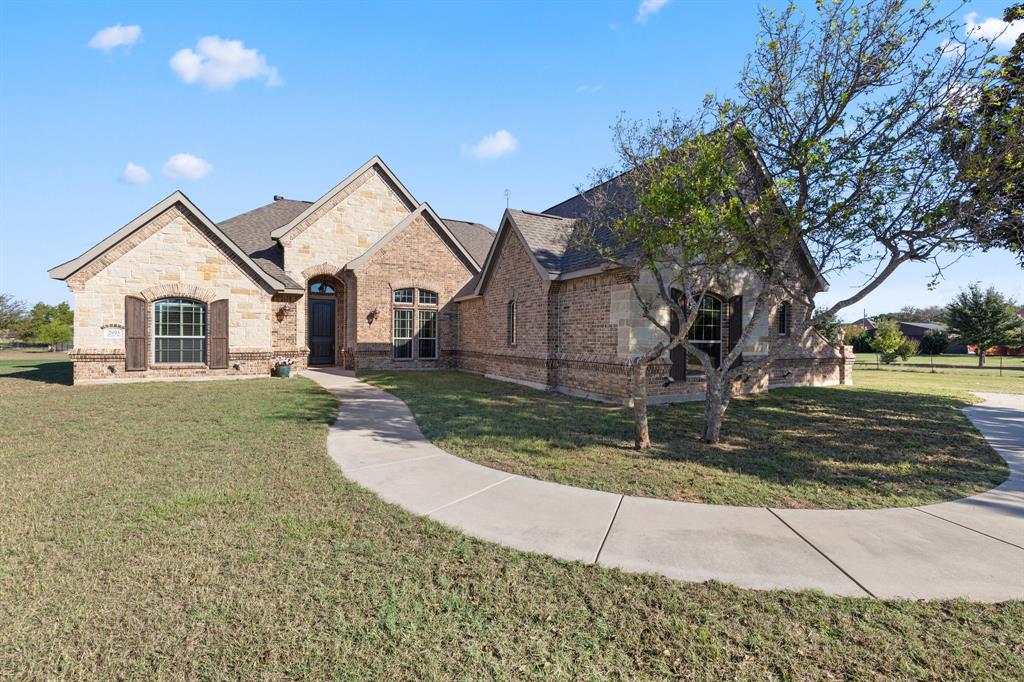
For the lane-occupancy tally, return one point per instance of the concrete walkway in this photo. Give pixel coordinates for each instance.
(972, 548)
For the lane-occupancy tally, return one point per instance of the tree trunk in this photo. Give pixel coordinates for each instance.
(638, 392)
(981, 358)
(715, 403)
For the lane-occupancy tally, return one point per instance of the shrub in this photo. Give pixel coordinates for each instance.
(888, 341)
(934, 342)
(908, 348)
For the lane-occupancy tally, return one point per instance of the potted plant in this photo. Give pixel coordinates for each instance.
(283, 366)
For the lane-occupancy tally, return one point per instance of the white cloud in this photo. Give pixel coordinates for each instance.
(492, 146)
(598, 87)
(186, 166)
(107, 39)
(1004, 34)
(220, 64)
(134, 174)
(952, 48)
(647, 8)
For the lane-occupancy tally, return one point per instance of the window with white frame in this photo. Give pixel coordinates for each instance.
(706, 334)
(179, 331)
(414, 332)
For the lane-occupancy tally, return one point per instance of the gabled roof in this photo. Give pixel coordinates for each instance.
(375, 163)
(251, 231)
(65, 270)
(440, 226)
(543, 237)
(475, 237)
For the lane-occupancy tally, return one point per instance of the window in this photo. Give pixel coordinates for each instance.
(179, 331)
(783, 320)
(426, 347)
(414, 334)
(510, 314)
(706, 334)
(321, 287)
(403, 334)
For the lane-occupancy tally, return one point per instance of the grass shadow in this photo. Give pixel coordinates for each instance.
(47, 371)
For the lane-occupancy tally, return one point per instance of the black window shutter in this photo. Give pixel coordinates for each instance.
(735, 320)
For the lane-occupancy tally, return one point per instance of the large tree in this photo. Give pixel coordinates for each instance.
(985, 319)
(12, 313)
(988, 141)
(835, 149)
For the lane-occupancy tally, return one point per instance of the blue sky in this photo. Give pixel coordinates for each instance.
(315, 89)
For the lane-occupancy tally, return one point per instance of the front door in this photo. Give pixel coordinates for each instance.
(321, 331)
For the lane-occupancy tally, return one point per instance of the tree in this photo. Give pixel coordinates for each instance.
(985, 319)
(988, 140)
(49, 324)
(888, 341)
(934, 342)
(12, 313)
(833, 149)
(829, 327)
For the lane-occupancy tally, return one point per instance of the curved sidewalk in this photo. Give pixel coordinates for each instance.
(972, 548)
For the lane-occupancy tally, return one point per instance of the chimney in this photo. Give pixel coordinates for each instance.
(278, 197)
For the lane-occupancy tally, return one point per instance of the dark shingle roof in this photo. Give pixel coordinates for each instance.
(251, 231)
(475, 238)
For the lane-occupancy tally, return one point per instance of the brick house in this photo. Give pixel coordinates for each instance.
(367, 277)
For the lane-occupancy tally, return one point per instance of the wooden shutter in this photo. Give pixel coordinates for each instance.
(218, 335)
(735, 323)
(134, 333)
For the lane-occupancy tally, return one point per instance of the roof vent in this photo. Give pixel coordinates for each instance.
(278, 197)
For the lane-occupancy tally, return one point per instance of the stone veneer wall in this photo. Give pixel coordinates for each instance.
(341, 230)
(583, 331)
(173, 255)
(417, 257)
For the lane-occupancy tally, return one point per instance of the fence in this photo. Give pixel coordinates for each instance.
(935, 363)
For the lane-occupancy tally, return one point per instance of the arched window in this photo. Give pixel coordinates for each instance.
(321, 287)
(706, 333)
(414, 324)
(783, 319)
(179, 331)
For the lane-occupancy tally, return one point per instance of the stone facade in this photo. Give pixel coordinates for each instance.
(172, 256)
(340, 230)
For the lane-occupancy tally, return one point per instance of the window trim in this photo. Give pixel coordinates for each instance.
(154, 321)
(782, 322)
(415, 306)
(719, 342)
(511, 323)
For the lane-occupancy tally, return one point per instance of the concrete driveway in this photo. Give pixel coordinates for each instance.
(971, 548)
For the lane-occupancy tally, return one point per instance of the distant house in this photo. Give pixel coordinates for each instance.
(916, 331)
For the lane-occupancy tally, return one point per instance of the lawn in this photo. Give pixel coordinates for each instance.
(873, 445)
(199, 530)
(948, 363)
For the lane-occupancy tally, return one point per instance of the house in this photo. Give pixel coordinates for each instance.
(916, 331)
(367, 277)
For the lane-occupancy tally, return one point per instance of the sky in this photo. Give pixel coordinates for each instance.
(107, 108)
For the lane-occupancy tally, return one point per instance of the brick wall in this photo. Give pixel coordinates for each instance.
(417, 258)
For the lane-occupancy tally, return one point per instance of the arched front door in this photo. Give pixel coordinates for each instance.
(322, 322)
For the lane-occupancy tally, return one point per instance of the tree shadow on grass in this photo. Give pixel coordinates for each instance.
(47, 371)
(881, 444)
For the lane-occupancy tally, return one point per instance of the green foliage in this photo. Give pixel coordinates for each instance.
(908, 348)
(985, 319)
(859, 339)
(49, 324)
(889, 341)
(12, 313)
(934, 342)
(828, 327)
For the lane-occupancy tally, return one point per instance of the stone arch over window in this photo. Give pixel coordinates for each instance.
(323, 269)
(178, 290)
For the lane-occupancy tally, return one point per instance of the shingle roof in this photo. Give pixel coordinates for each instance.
(475, 238)
(251, 231)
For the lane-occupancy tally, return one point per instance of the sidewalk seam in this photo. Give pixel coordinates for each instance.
(973, 530)
(597, 557)
(827, 557)
(400, 461)
(466, 497)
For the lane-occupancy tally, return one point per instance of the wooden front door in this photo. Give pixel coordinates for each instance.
(321, 331)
